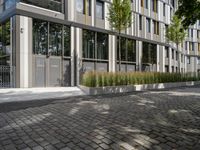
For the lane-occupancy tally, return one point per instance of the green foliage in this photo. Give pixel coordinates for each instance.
(100, 79)
(120, 14)
(189, 10)
(176, 33)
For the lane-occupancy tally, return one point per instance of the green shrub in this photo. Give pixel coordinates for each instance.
(99, 79)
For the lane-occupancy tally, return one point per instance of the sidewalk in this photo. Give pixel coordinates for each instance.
(29, 94)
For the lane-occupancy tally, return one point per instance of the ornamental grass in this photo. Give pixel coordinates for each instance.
(100, 79)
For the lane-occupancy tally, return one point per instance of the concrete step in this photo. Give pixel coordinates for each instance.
(29, 94)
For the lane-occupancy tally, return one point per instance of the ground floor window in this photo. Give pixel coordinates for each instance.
(7, 56)
(50, 38)
(149, 56)
(128, 54)
(94, 51)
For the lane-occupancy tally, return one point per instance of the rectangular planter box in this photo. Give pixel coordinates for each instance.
(131, 88)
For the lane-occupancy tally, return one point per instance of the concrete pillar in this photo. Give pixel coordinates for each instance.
(112, 53)
(162, 59)
(139, 55)
(72, 33)
(23, 52)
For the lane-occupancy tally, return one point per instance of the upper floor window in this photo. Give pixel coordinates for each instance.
(83, 6)
(148, 25)
(156, 27)
(154, 5)
(145, 3)
(100, 9)
(164, 9)
(140, 22)
(55, 5)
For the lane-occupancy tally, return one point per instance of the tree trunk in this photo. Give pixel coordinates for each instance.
(119, 53)
(179, 63)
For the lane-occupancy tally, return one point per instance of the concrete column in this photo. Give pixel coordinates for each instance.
(170, 59)
(139, 55)
(72, 32)
(158, 59)
(78, 54)
(112, 53)
(162, 59)
(23, 52)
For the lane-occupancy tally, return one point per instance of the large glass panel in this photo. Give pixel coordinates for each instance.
(80, 6)
(40, 37)
(131, 50)
(55, 39)
(99, 9)
(5, 47)
(55, 5)
(67, 48)
(149, 53)
(123, 48)
(102, 46)
(88, 44)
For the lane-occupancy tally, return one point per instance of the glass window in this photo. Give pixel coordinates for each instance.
(99, 9)
(80, 6)
(5, 45)
(140, 22)
(128, 50)
(88, 44)
(102, 46)
(167, 52)
(148, 25)
(40, 37)
(146, 4)
(154, 5)
(149, 53)
(131, 50)
(55, 39)
(55, 5)
(67, 48)
(164, 9)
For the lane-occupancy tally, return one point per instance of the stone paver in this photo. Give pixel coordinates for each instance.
(157, 120)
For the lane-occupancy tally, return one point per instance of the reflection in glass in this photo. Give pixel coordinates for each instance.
(128, 50)
(5, 46)
(102, 46)
(40, 37)
(88, 44)
(66, 33)
(149, 53)
(99, 9)
(55, 39)
(55, 5)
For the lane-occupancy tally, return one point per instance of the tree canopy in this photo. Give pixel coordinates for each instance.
(189, 11)
(120, 14)
(175, 32)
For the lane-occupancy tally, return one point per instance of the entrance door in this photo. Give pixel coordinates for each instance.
(47, 71)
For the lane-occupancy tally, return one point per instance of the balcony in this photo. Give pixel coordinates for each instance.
(55, 5)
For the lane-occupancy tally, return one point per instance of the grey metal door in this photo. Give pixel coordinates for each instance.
(47, 71)
(54, 71)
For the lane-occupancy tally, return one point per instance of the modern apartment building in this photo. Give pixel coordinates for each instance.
(45, 43)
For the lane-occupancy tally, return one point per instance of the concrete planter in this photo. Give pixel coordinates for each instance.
(131, 88)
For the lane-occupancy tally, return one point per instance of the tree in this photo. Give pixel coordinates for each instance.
(176, 33)
(189, 10)
(120, 19)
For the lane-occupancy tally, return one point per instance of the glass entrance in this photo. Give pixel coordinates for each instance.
(49, 52)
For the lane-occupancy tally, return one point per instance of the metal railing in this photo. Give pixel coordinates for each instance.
(7, 77)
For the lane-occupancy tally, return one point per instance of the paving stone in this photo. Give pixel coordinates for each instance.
(143, 120)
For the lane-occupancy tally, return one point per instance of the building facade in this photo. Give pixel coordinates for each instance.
(45, 43)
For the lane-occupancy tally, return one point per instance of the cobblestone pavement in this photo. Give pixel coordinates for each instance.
(135, 121)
